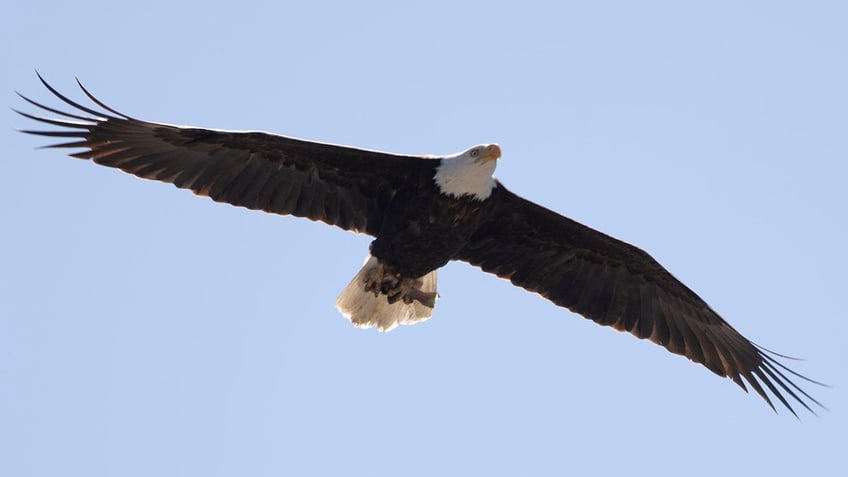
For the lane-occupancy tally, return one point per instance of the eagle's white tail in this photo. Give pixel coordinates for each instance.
(365, 310)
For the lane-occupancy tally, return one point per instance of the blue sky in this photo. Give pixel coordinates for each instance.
(144, 331)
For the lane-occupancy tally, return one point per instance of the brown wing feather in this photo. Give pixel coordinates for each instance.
(341, 186)
(618, 285)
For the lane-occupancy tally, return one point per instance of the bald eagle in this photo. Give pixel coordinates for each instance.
(424, 211)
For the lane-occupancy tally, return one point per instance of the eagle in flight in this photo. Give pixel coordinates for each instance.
(424, 211)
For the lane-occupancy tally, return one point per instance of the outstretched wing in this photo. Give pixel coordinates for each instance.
(616, 284)
(339, 185)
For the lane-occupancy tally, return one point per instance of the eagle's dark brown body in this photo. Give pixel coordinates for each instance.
(423, 230)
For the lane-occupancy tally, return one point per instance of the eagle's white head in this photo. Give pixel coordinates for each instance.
(469, 172)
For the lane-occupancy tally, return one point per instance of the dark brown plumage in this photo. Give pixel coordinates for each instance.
(616, 284)
(396, 199)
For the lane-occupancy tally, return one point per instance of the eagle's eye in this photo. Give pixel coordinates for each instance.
(475, 153)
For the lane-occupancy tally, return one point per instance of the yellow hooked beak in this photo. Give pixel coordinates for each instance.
(491, 153)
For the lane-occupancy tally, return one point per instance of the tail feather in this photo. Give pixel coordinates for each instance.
(365, 310)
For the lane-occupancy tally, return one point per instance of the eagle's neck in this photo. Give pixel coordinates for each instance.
(460, 175)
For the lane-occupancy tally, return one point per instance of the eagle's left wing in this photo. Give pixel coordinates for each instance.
(616, 284)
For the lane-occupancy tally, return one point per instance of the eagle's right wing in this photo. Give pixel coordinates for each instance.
(339, 185)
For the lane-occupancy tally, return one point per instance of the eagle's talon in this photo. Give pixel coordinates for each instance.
(374, 279)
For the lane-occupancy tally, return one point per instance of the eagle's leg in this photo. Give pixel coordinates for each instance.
(374, 278)
(382, 279)
(409, 290)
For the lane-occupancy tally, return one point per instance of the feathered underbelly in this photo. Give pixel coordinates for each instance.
(419, 238)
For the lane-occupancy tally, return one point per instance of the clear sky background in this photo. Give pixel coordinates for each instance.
(144, 331)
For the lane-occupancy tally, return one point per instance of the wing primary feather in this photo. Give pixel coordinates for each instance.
(787, 386)
(783, 380)
(787, 369)
(58, 111)
(52, 133)
(55, 122)
(760, 373)
(759, 389)
(67, 145)
(71, 102)
(100, 103)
